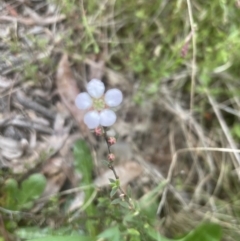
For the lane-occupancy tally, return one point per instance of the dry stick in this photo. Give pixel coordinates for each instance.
(185, 117)
(30, 21)
(210, 216)
(173, 163)
(194, 52)
(220, 178)
(30, 104)
(30, 125)
(198, 188)
(226, 131)
(12, 213)
(193, 73)
(157, 176)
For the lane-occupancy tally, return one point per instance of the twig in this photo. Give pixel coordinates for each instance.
(194, 52)
(28, 103)
(226, 130)
(30, 21)
(111, 167)
(12, 213)
(173, 163)
(30, 125)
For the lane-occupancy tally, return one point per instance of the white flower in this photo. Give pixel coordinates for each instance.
(98, 104)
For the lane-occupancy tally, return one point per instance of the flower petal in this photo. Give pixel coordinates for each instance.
(92, 119)
(113, 97)
(83, 101)
(107, 117)
(95, 88)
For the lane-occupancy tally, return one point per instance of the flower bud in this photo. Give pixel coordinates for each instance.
(98, 131)
(111, 141)
(111, 157)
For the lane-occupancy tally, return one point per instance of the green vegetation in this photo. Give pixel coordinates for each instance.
(164, 56)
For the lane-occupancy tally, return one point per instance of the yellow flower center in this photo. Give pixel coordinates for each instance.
(98, 104)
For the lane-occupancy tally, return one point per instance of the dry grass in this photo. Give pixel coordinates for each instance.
(171, 122)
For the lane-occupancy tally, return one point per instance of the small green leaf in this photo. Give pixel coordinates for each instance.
(151, 196)
(116, 201)
(31, 189)
(111, 180)
(106, 163)
(113, 191)
(12, 193)
(118, 182)
(129, 191)
(124, 204)
(149, 202)
(133, 231)
(205, 231)
(112, 234)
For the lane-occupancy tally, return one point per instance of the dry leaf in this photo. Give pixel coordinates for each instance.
(96, 68)
(117, 80)
(68, 90)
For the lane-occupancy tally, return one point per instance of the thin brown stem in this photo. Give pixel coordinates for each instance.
(111, 167)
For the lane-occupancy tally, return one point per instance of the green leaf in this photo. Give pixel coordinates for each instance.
(117, 182)
(129, 191)
(152, 195)
(155, 234)
(12, 192)
(83, 161)
(112, 234)
(62, 238)
(149, 202)
(133, 231)
(84, 164)
(31, 189)
(206, 232)
(124, 204)
(112, 180)
(116, 201)
(113, 191)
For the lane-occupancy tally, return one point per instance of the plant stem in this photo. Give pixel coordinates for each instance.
(111, 167)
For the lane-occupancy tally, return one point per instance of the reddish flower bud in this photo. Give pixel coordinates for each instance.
(98, 131)
(111, 140)
(111, 157)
